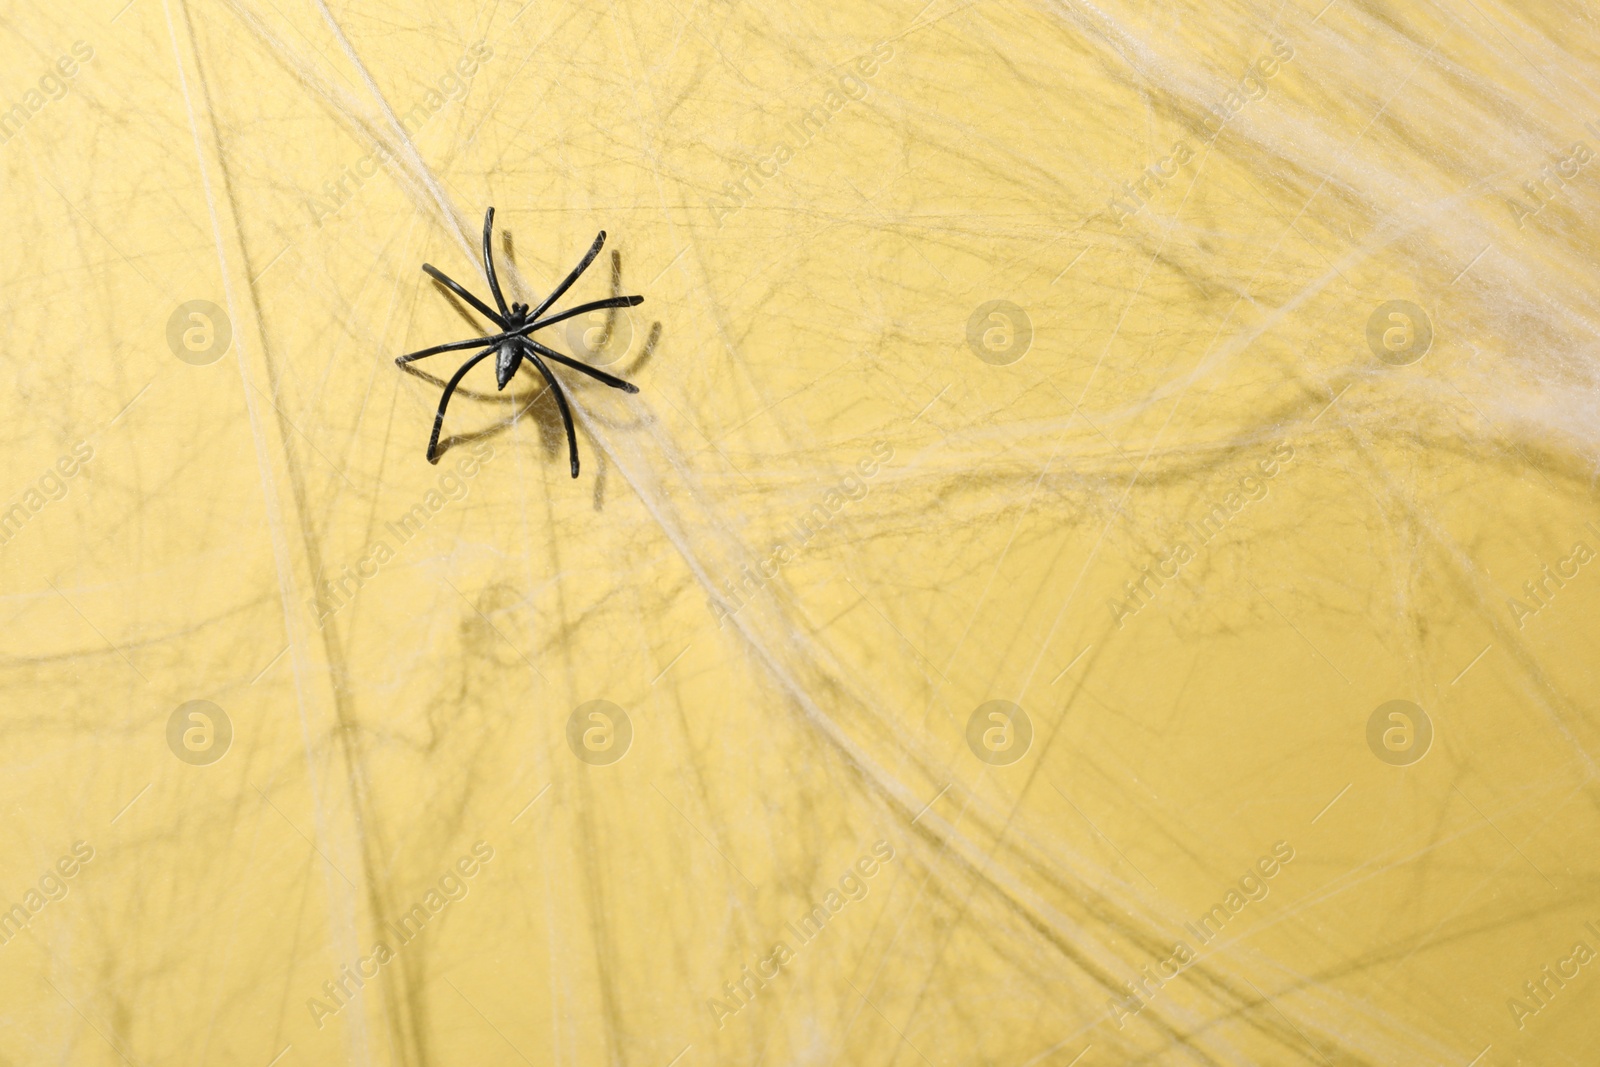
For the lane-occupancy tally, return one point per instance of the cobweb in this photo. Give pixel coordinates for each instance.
(1066, 430)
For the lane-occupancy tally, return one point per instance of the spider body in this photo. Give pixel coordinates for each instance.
(508, 355)
(514, 343)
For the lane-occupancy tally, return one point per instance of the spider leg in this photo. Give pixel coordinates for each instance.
(583, 309)
(455, 287)
(594, 250)
(444, 401)
(593, 372)
(451, 347)
(488, 263)
(561, 401)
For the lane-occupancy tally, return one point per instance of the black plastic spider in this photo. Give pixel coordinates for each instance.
(512, 344)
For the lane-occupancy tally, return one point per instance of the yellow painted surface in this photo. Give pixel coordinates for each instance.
(1033, 650)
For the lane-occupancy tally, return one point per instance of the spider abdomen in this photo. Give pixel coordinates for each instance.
(507, 357)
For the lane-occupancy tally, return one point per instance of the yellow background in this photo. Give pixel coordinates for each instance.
(1173, 350)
